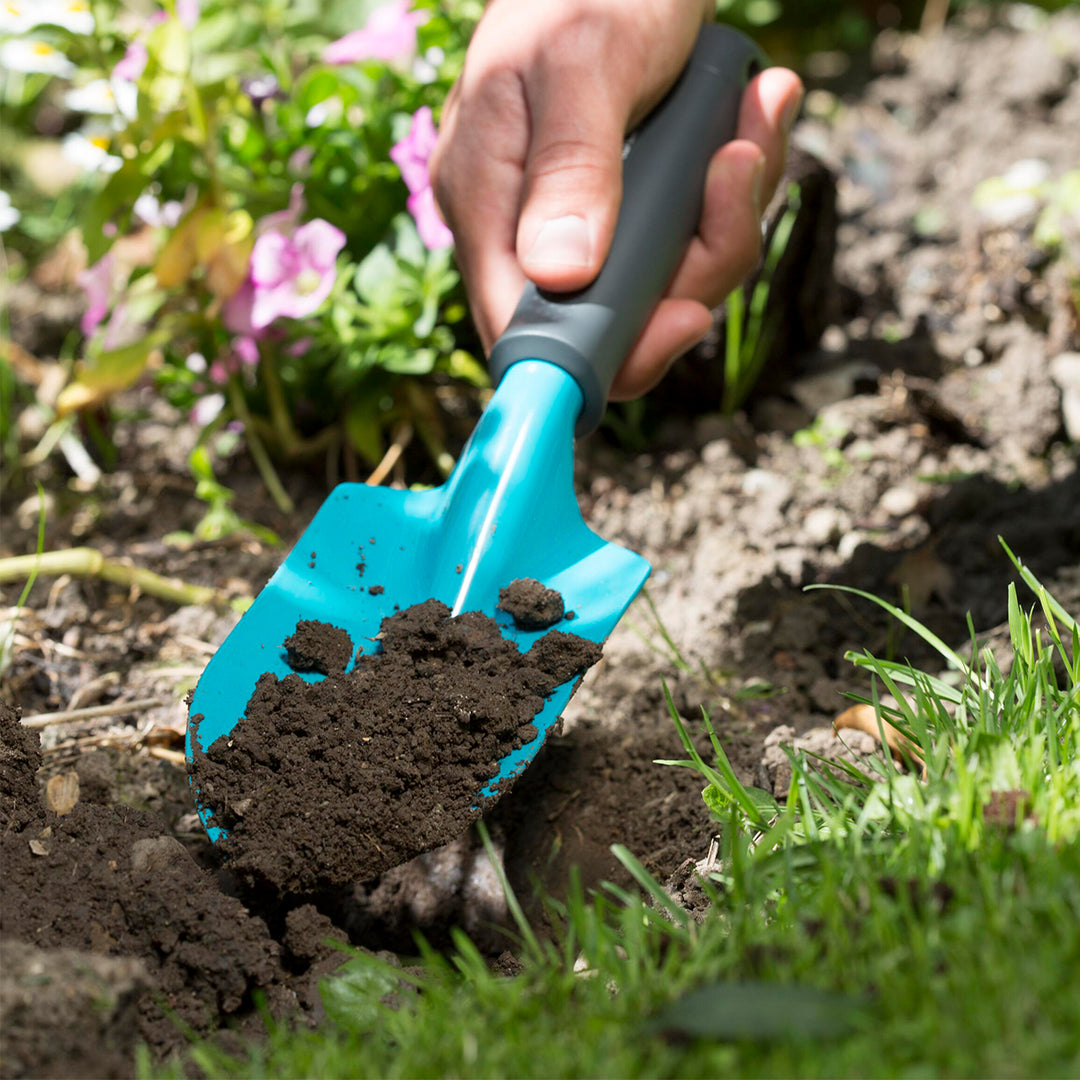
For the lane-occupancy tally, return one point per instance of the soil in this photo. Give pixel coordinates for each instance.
(531, 604)
(319, 647)
(923, 407)
(327, 783)
(109, 881)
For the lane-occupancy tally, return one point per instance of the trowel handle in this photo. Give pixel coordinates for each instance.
(590, 332)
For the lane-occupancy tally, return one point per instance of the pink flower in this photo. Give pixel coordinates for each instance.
(97, 282)
(291, 275)
(236, 314)
(134, 62)
(246, 349)
(187, 11)
(411, 156)
(432, 229)
(389, 34)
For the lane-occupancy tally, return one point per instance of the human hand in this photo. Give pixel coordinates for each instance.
(528, 167)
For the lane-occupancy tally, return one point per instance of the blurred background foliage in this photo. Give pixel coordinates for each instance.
(154, 158)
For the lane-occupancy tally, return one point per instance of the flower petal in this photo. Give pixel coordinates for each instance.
(317, 244)
(273, 260)
(432, 229)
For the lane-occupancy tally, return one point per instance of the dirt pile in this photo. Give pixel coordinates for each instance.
(327, 783)
(101, 908)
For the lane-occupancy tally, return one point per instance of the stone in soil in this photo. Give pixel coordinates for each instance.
(327, 783)
(532, 605)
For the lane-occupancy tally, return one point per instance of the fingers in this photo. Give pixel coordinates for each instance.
(573, 176)
(769, 107)
(675, 327)
(476, 173)
(573, 185)
(741, 180)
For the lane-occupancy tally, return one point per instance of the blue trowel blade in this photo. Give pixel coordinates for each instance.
(508, 511)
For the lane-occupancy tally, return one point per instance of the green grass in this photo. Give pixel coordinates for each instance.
(887, 925)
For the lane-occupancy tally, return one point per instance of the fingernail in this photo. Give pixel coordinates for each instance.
(791, 110)
(757, 178)
(562, 241)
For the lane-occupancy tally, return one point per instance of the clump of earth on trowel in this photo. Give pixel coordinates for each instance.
(325, 783)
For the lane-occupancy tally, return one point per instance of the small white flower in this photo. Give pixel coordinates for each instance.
(8, 214)
(90, 152)
(15, 17)
(322, 112)
(105, 97)
(74, 16)
(196, 362)
(206, 409)
(423, 71)
(34, 58)
(158, 214)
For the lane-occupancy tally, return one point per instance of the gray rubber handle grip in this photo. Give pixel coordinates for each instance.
(590, 332)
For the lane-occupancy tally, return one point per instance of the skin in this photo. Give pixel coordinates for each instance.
(532, 133)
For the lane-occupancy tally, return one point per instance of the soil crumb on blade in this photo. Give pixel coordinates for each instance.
(325, 784)
(317, 646)
(532, 605)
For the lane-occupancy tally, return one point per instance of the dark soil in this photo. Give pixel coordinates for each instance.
(317, 646)
(327, 783)
(532, 605)
(108, 881)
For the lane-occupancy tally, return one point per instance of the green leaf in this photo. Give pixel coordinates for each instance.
(352, 996)
(377, 278)
(363, 427)
(719, 801)
(405, 361)
(758, 1010)
(463, 365)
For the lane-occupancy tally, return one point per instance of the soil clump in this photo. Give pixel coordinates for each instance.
(531, 604)
(319, 647)
(326, 783)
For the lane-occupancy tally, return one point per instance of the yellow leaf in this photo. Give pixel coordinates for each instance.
(98, 379)
(177, 258)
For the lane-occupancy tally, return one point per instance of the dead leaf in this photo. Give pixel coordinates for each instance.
(1005, 808)
(924, 575)
(863, 718)
(101, 941)
(62, 792)
(39, 847)
(60, 269)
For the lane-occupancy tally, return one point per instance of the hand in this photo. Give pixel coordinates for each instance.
(527, 171)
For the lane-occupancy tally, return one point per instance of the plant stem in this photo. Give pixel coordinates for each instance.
(89, 562)
(279, 412)
(258, 452)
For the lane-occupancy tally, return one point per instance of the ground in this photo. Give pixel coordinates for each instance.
(934, 415)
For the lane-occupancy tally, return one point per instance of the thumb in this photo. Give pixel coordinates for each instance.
(572, 184)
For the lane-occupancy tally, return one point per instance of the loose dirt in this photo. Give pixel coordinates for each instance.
(327, 783)
(105, 882)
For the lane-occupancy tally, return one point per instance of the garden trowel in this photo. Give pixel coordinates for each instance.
(508, 510)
